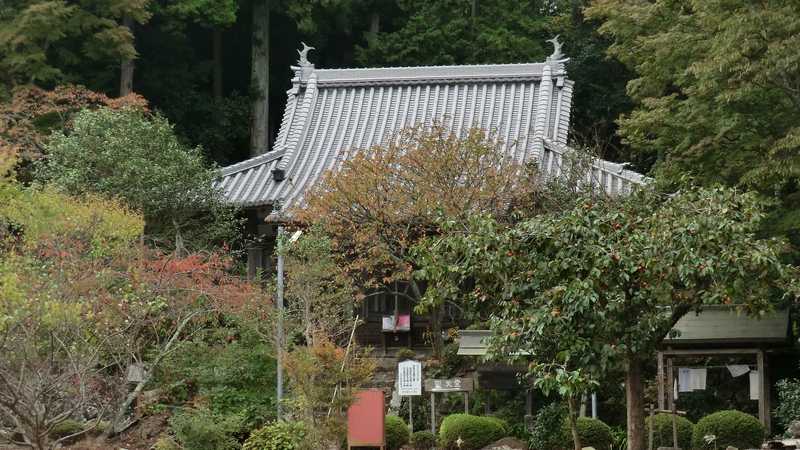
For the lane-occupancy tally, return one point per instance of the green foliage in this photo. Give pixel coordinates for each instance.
(397, 433)
(200, 429)
(593, 433)
(731, 428)
(166, 443)
(277, 436)
(662, 431)
(406, 353)
(423, 440)
(474, 431)
(53, 40)
(788, 408)
(231, 368)
(715, 90)
(66, 428)
(135, 157)
(546, 433)
(587, 288)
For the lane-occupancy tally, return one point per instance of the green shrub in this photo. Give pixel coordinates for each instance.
(200, 429)
(662, 431)
(277, 436)
(66, 428)
(406, 353)
(166, 443)
(788, 408)
(731, 428)
(546, 433)
(474, 431)
(593, 433)
(397, 433)
(423, 440)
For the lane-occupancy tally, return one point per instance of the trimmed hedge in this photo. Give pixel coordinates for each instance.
(593, 433)
(731, 428)
(475, 432)
(277, 436)
(397, 433)
(423, 440)
(662, 431)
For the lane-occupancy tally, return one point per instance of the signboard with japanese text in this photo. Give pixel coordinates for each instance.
(449, 385)
(409, 378)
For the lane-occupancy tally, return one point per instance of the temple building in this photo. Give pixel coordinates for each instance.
(332, 113)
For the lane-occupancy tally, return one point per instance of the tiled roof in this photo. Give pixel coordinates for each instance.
(331, 113)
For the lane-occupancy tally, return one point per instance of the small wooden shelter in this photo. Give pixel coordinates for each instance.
(722, 331)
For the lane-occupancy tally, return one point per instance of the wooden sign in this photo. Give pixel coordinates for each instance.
(409, 378)
(449, 385)
(365, 420)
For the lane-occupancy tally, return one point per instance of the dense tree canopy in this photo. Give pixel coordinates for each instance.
(577, 293)
(717, 89)
(130, 155)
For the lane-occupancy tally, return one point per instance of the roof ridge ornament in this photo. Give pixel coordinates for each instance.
(303, 61)
(557, 55)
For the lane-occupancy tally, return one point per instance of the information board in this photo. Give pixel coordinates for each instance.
(409, 378)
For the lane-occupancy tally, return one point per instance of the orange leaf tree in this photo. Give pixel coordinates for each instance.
(386, 198)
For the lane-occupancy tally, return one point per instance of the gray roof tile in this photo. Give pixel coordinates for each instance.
(331, 113)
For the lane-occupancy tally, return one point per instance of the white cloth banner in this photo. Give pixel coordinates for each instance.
(684, 379)
(754, 382)
(697, 379)
(738, 370)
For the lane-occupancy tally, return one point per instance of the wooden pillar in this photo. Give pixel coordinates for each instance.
(529, 402)
(466, 402)
(763, 390)
(433, 413)
(670, 384)
(660, 380)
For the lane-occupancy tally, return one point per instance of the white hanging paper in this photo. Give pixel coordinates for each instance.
(738, 370)
(697, 379)
(684, 379)
(754, 385)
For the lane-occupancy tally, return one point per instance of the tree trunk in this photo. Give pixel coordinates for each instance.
(216, 46)
(375, 23)
(635, 403)
(573, 423)
(126, 68)
(259, 127)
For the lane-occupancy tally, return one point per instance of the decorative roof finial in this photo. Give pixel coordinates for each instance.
(556, 49)
(304, 54)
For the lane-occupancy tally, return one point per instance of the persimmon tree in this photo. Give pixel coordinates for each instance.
(383, 200)
(599, 286)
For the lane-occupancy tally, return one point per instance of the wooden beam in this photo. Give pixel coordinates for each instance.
(711, 352)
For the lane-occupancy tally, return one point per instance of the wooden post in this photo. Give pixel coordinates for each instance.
(674, 427)
(410, 414)
(466, 402)
(670, 384)
(528, 403)
(763, 390)
(660, 380)
(650, 439)
(433, 413)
